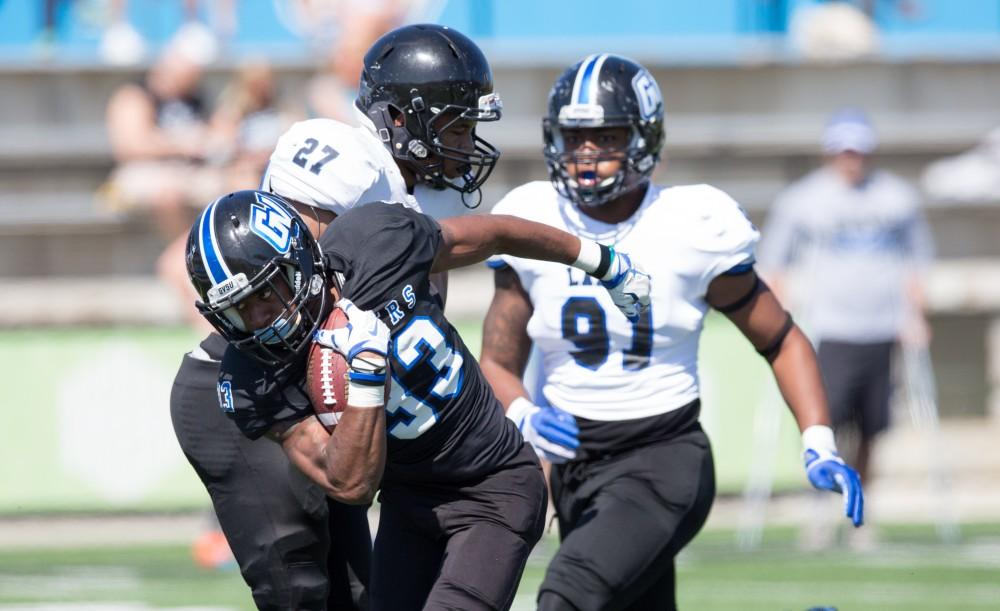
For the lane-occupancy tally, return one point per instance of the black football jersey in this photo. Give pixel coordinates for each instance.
(442, 420)
(214, 346)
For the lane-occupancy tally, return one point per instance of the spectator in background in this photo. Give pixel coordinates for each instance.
(159, 137)
(121, 43)
(969, 178)
(833, 31)
(332, 90)
(860, 239)
(247, 123)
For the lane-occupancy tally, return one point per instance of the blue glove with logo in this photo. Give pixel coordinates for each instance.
(552, 432)
(828, 471)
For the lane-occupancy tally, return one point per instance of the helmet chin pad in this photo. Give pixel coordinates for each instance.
(592, 191)
(279, 330)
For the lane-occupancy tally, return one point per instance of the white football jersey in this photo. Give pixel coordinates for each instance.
(439, 203)
(596, 364)
(334, 166)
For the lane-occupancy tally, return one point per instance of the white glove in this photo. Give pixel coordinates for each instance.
(364, 332)
(552, 432)
(628, 284)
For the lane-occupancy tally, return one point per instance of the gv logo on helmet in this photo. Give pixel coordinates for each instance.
(648, 94)
(270, 221)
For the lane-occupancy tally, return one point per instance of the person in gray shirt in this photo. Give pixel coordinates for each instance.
(860, 243)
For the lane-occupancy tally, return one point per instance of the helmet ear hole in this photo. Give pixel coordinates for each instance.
(396, 115)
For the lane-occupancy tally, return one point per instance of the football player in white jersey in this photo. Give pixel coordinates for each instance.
(632, 477)
(416, 144)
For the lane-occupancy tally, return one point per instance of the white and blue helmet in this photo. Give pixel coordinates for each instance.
(604, 90)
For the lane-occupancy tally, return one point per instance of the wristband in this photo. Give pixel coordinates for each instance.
(819, 437)
(365, 396)
(595, 259)
(518, 409)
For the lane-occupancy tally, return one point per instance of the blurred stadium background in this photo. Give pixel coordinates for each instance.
(98, 506)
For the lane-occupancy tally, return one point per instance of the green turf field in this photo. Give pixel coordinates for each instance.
(910, 571)
(78, 387)
(82, 385)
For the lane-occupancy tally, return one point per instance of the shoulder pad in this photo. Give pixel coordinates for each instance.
(438, 203)
(715, 222)
(527, 200)
(322, 163)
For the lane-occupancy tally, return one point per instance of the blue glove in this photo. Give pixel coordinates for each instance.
(828, 471)
(628, 284)
(552, 432)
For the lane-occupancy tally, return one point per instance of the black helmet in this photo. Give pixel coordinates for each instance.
(604, 90)
(430, 76)
(250, 241)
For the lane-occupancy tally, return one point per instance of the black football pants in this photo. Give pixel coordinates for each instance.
(622, 519)
(296, 549)
(460, 548)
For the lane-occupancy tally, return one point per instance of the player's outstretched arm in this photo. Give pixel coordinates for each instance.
(471, 239)
(348, 463)
(754, 309)
(552, 432)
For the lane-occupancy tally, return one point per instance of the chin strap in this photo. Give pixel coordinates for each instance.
(478, 193)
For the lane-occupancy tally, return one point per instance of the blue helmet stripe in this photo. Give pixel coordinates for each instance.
(583, 95)
(209, 247)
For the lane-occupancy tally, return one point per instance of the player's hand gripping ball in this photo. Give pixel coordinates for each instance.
(326, 376)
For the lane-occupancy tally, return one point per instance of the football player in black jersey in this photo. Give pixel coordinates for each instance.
(424, 87)
(462, 496)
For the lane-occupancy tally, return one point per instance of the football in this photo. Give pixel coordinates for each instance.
(326, 376)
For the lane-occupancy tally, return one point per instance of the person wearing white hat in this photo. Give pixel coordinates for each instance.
(859, 237)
